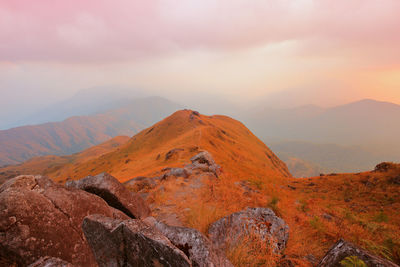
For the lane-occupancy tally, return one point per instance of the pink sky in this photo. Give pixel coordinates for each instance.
(342, 49)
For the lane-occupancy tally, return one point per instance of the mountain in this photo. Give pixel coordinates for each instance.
(145, 153)
(366, 129)
(77, 133)
(305, 159)
(47, 164)
(85, 102)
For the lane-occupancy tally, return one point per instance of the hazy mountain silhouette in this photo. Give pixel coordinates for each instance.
(77, 133)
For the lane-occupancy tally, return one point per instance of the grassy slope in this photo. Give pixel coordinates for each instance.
(234, 147)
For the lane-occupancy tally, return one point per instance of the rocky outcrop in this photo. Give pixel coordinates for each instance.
(130, 243)
(193, 243)
(50, 262)
(205, 162)
(343, 249)
(259, 222)
(114, 193)
(177, 172)
(384, 167)
(40, 218)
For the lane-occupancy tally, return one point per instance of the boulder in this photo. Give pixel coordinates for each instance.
(205, 162)
(259, 222)
(343, 249)
(114, 193)
(41, 218)
(50, 262)
(193, 243)
(130, 243)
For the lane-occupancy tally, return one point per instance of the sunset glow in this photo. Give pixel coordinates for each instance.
(336, 51)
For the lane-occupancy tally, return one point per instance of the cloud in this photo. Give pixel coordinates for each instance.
(85, 31)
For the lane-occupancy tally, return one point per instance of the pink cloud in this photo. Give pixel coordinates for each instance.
(100, 30)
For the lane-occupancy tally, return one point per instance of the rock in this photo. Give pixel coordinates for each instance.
(140, 183)
(247, 187)
(130, 243)
(172, 153)
(384, 167)
(327, 217)
(177, 172)
(205, 162)
(41, 218)
(395, 180)
(261, 222)
(193, 115)
(193, 243)
(50, 262)
(114, 193)
(343, 249)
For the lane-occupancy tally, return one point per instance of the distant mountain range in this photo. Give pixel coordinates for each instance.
(80, 132)
(351, 137)
(310, 139)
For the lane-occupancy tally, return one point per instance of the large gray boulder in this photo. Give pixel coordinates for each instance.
(259, 222)
(193, 243)
(343, 249)
(114, 193)
(130, 243)
(40, 218)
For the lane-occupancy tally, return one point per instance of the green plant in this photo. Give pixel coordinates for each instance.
(273, 204)
(303, 206)
(317, 224)
(381, 217)
(352, 261)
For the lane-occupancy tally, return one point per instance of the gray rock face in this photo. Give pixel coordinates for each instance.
(193, 243)
(205, 162)
(130, 243)
(261, 222)
(114, 193)
(343, 249)
(40, 218)
(50, 262)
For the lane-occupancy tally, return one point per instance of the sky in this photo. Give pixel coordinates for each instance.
(324, 52)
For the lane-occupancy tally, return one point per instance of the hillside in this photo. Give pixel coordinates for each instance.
(187, 133)
(360, 207)
(47, 164)
(77, 133)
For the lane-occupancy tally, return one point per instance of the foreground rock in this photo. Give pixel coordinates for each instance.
(114, 193)
(261, 223)
(343, 249)
(50, 262)
(193, 243)
(130, 243)
(40, 218)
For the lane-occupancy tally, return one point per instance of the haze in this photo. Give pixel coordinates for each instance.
(280, 53)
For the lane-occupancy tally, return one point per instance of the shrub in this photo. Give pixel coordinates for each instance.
(352, 261)
(273, 204)
(381, 217)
